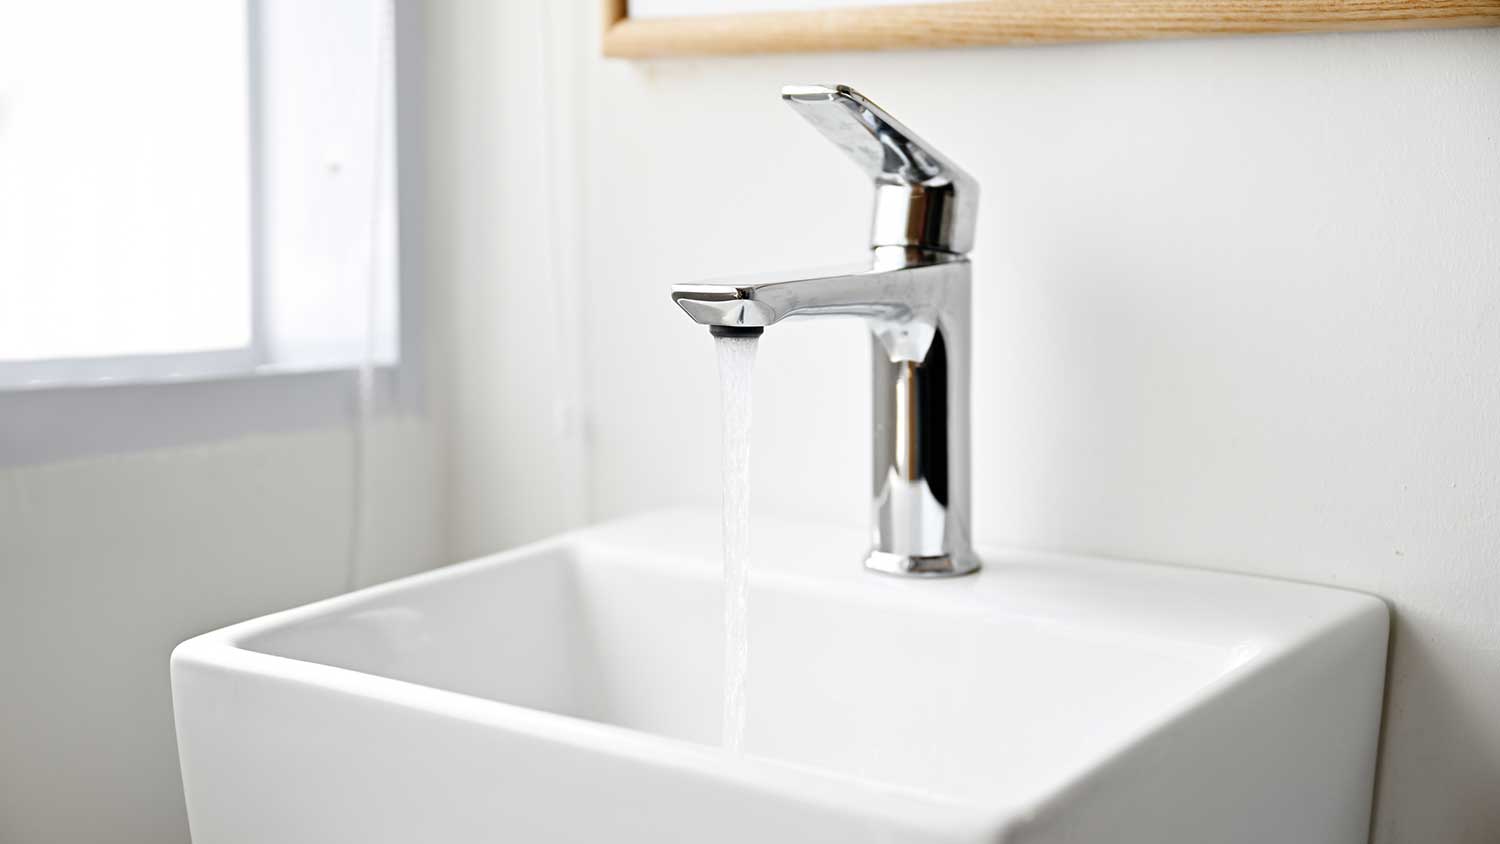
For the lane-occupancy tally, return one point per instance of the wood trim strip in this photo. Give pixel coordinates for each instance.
(971, 24)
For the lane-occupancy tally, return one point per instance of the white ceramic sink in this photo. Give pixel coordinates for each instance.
(570, 691)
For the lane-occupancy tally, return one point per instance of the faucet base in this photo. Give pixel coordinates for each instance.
(943, 565)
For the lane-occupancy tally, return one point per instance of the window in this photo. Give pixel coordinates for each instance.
(195, 188)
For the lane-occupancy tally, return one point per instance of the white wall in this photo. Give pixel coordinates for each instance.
(1238, 306)
(502, 266)
(107, 563)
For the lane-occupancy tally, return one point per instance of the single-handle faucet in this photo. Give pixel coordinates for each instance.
(914, 293)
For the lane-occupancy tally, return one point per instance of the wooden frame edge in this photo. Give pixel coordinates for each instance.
(993, 22)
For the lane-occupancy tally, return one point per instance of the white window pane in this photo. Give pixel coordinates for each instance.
(328, 149)
(124, 178)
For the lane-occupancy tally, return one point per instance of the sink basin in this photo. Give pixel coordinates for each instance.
(570, 691)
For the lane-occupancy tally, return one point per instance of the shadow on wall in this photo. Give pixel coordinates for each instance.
(1433, 730)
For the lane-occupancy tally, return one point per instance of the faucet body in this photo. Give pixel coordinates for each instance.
(914, 293)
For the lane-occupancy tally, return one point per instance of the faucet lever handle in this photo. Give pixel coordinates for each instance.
(922, 199)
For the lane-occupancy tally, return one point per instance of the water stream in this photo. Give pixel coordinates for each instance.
(736, 365)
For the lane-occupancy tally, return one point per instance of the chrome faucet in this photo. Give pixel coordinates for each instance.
(914, 292)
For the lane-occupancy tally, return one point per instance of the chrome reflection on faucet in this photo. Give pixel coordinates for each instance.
(914, 292)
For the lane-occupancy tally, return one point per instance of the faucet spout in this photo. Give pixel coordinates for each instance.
(903, 294)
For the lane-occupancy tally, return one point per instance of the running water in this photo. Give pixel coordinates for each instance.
(736, 363)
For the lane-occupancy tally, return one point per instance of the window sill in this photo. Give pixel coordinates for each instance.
(45, 424)
(182, 375)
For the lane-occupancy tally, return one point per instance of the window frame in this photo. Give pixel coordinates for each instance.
(201, 397)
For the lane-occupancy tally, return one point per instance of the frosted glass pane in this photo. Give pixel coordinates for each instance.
(329, 181)
(124, 178)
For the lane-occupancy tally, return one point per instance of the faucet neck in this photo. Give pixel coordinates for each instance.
(921, 216)
(896, 257)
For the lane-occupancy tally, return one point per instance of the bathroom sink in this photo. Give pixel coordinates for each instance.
(571, 691)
